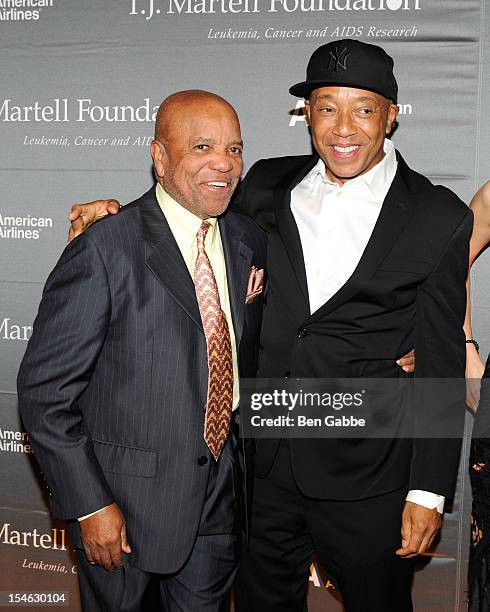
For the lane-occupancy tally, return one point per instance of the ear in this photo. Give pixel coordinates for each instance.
(307, 112)
(158, 153)
(391, 118)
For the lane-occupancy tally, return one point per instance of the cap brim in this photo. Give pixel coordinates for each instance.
(304, 89)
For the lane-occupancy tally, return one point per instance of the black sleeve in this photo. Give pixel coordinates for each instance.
(441, 354)
(254, 198)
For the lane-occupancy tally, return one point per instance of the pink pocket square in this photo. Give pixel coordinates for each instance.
(255, 284)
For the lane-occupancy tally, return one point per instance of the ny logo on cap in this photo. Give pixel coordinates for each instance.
(338, 59)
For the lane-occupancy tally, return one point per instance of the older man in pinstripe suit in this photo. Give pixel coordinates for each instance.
(130, 412)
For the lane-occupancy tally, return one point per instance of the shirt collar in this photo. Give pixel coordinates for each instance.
(183, 223)
(377, 179)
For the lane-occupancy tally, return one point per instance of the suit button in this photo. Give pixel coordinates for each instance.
(287, 374)
(202, 460)
(302, 332)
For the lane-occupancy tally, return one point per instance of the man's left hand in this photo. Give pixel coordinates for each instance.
(419, 528)
(407, 362)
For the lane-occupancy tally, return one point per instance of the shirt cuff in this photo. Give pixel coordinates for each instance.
(427, 499)
(82, 518)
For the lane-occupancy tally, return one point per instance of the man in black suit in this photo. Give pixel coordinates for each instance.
(129, 380)
(366, 259)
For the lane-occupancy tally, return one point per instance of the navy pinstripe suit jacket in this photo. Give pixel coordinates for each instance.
(113, 384)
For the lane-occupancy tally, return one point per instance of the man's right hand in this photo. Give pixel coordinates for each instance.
(104, 537)
(83, 215)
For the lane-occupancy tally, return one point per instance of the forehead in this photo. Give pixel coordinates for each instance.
(352, 94)
(203, 120)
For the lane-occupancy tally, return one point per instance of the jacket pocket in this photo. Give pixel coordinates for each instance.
(130, 460)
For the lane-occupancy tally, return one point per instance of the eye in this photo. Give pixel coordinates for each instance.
(201, 147)
(326, 110)
(365, 110)
(236, 150)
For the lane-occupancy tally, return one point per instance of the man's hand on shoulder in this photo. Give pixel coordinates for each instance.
(83, 216)
(104, 537)
(419, 528)
(407, 362)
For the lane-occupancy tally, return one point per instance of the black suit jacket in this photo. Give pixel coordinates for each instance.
(113, 384)
(407, 291)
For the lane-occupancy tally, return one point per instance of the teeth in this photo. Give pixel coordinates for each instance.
(217, 184)
(345, 149)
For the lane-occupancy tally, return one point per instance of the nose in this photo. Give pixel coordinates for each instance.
(345, 125)
(222, 161)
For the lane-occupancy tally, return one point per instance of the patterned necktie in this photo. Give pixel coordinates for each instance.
(220, 362)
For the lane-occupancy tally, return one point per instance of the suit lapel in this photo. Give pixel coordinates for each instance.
(287, 225)
(165, 259)
(396, 211)
(238, 257)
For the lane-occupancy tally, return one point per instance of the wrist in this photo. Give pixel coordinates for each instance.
(472, 345)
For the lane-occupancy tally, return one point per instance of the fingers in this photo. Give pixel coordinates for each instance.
(105, 560)
(406, 533)
(124, 541)
(407, 362)
(413, 548)
(78, 222)
(76, 211)
(419, 528)
(103, 534)
(77, 228)
(113, 206)
(88, 553)
(83, 215)
(110, 557)
(115, 554)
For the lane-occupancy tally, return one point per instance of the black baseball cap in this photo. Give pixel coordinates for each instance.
(349, 63)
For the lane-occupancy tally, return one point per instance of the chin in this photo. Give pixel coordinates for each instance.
(216, 209)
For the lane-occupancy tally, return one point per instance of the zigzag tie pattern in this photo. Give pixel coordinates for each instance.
(220, 362)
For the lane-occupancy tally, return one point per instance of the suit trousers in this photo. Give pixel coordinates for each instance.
(355, 542)
(203, 583)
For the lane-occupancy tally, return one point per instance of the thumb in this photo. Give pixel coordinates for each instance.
(124, 542)
(75, 212)
(406, 530)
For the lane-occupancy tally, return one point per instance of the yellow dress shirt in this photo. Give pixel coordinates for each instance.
(184, 225)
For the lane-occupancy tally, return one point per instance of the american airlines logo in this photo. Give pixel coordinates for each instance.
(14, 441)
(23, 10)
(23, 228)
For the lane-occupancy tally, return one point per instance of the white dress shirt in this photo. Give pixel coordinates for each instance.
(335, 223)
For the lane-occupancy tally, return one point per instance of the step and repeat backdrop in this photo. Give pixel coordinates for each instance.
(80, 82)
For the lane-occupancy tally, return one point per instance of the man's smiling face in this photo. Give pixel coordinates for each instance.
(348, 129)
(198, 152)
